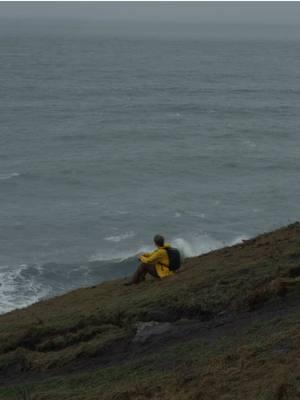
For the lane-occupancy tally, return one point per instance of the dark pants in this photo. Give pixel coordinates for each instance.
(142, 271)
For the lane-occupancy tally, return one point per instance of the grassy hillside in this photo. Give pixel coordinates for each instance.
(225, 327)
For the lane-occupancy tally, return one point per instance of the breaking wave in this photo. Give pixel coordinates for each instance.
(118, 238)
(25, 284)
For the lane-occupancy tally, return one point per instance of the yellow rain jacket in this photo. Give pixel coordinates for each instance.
(160, 258)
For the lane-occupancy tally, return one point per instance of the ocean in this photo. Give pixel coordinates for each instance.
(113, 132)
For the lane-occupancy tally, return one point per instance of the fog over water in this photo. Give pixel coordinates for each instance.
(284, 13)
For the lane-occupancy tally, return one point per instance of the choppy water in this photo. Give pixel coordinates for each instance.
(110, 134)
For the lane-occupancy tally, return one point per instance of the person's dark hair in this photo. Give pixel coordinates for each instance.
(159, 240)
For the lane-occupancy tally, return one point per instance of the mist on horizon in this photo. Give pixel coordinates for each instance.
(181, 12)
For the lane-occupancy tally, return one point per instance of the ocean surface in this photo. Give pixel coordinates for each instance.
(113, 132)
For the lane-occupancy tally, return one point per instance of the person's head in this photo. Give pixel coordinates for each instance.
(159, 240)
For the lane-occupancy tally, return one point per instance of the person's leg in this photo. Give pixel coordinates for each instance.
(142, 271)
(151, 270)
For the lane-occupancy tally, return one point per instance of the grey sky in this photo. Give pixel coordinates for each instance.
(220, 12)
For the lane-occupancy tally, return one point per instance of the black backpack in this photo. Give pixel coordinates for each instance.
(174, 258)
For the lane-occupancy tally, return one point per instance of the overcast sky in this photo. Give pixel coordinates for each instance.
(220, 12)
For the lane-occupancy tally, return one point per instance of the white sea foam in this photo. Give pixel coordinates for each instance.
(113, 256)
(5, 177)
(118, 238)
(119, 256)
(238, 240)
(16, 290)
(191, 247)
(203, 244)
(196, 245)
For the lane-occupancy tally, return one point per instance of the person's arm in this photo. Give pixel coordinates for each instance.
(150, 258)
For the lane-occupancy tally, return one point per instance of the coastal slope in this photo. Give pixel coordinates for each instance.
(225, 327)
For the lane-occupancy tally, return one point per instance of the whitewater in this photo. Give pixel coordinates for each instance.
(26, 284)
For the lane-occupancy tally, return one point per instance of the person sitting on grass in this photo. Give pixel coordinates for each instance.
(155, 263)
